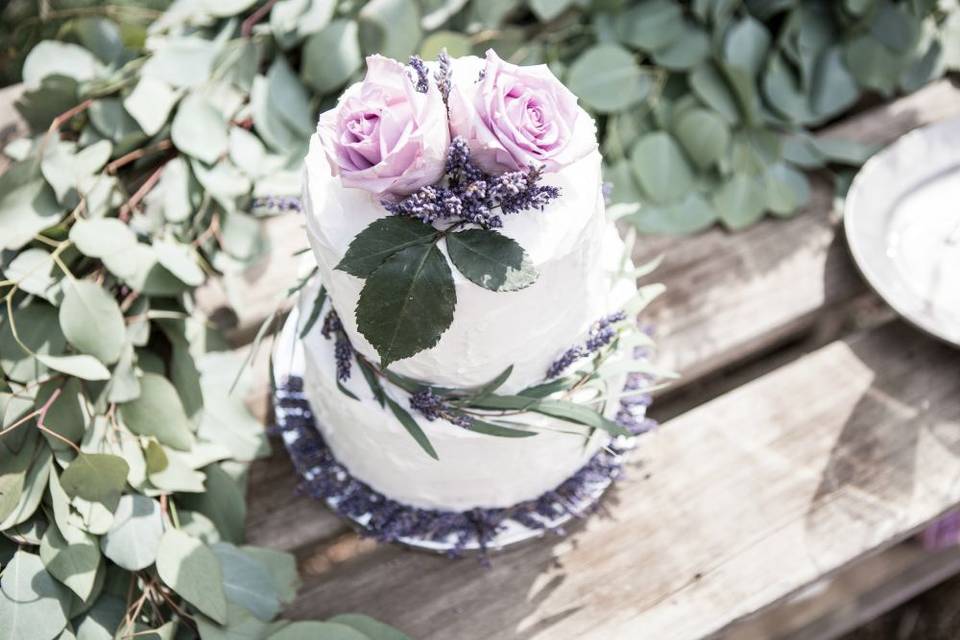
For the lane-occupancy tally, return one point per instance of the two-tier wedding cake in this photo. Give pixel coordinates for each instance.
(466, 367)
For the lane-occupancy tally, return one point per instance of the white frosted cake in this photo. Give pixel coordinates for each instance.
(572, 276)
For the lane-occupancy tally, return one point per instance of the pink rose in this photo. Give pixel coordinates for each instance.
(514, 116)
(383, 136)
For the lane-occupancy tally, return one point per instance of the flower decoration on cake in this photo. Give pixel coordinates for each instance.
(446, 159)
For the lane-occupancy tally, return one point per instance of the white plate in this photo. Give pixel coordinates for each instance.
(902, 222)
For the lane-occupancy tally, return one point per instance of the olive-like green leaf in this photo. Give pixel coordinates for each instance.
(491, 259)
(190, 568)
(608, 78)
(331, 56)
(661, 167)
(380, 240)
(134, 537)
(98, 477)
(411, 427)
(373, 629)
(158, 412)
(407, 303)
(199, 129)
(91, 320)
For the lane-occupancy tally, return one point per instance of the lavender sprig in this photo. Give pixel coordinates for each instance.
(431, 406)
(421, 76)
(444, 75)
(601, 334)
(342, 349)
(469, 194)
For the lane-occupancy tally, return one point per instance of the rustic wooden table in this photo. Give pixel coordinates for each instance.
(811, 436)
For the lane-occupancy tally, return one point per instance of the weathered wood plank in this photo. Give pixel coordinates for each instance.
(727, 509)
(855, 595)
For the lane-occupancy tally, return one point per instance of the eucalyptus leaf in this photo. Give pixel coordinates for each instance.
(740, 201)
(704, 135)
(651, 25)
(191, 569)
(373, 629)
(181, 62)
(690, 215)
(109, 240)
(332, 56)
(246, 582)
(158, 412)
(199, 129)
(607, 78)
(711, 87)
(134, 537)
(33, 606)
(222, 502)
(34, 272)
(84, 367)
(98, 477)
(72, 557)
(312, 630)
(661, 167)
(50, 57)
(747, 44)
(390, 27)
(91, 320)
(150, 104)
(27, 205)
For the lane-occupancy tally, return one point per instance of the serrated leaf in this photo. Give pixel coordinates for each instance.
(381, 239)
(491, 259)
(91, 320)
(98, 477)
(134, 537)
(199, 129)
(190, 568)
(407, 303)
(158, 412)
(608, 78)
(411, 427)
(661, 167)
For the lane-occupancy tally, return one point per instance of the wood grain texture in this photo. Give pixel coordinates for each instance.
(727, 509)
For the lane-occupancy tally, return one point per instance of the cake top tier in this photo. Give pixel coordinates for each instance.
(435, 185)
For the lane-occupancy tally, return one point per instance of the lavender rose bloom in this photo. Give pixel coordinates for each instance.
(514, 117)
(384, 136)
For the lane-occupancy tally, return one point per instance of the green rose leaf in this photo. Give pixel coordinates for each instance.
(190, 568)
(72, 557)
(134, 537)
(381, 239)
(199, 129)
(158, 412)
(407, 303)
(661, 167)
(97, 477)
(491, 259)
(91, 320)
(331, 56)
(608, 78)
(704, 134)
(373, 629)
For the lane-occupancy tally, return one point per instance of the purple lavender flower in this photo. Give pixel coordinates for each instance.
(601, 334)
(277, 204)
(560, 365)
(343, 353)
(331, 324)
(470, 195)
(421, 76)
(444, 75)
(429, 404)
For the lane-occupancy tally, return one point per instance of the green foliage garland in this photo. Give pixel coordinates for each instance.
(122, 454)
